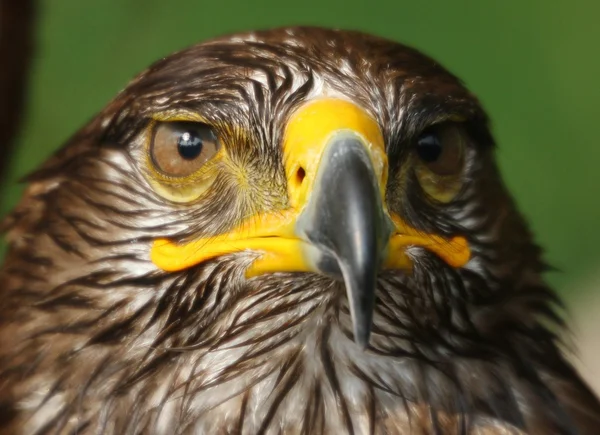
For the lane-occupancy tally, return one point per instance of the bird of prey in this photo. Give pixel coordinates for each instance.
(289, 231)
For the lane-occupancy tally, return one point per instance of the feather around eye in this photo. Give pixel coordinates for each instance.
(440, 160)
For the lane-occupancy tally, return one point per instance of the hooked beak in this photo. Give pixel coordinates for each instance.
(345, 221)
(337, 223)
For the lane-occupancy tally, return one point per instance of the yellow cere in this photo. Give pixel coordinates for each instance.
(308, 132)
(272, 236)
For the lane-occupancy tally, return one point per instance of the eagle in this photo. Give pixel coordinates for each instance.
(288, 231)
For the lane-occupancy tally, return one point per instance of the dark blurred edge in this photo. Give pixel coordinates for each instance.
(17, 33)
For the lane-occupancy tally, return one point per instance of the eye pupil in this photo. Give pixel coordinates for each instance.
(189, 145)
(429, 147)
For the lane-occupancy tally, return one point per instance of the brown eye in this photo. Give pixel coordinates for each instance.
(441, 149)
(440, 152)
(179, 149)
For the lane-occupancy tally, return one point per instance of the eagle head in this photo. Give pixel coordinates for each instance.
(298, 230)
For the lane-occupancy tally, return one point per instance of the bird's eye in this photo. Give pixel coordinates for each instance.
(179, 149)
(440, 155)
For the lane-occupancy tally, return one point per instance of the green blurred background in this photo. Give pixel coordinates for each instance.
(534, 64)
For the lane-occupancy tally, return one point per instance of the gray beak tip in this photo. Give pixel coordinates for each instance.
(361, 338)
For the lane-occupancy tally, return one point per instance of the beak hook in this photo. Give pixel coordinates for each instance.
(345, 221)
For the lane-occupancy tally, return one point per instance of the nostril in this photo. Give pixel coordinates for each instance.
(300, 174)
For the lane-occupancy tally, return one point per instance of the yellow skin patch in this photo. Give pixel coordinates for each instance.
(308, 132)
(272, 234)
